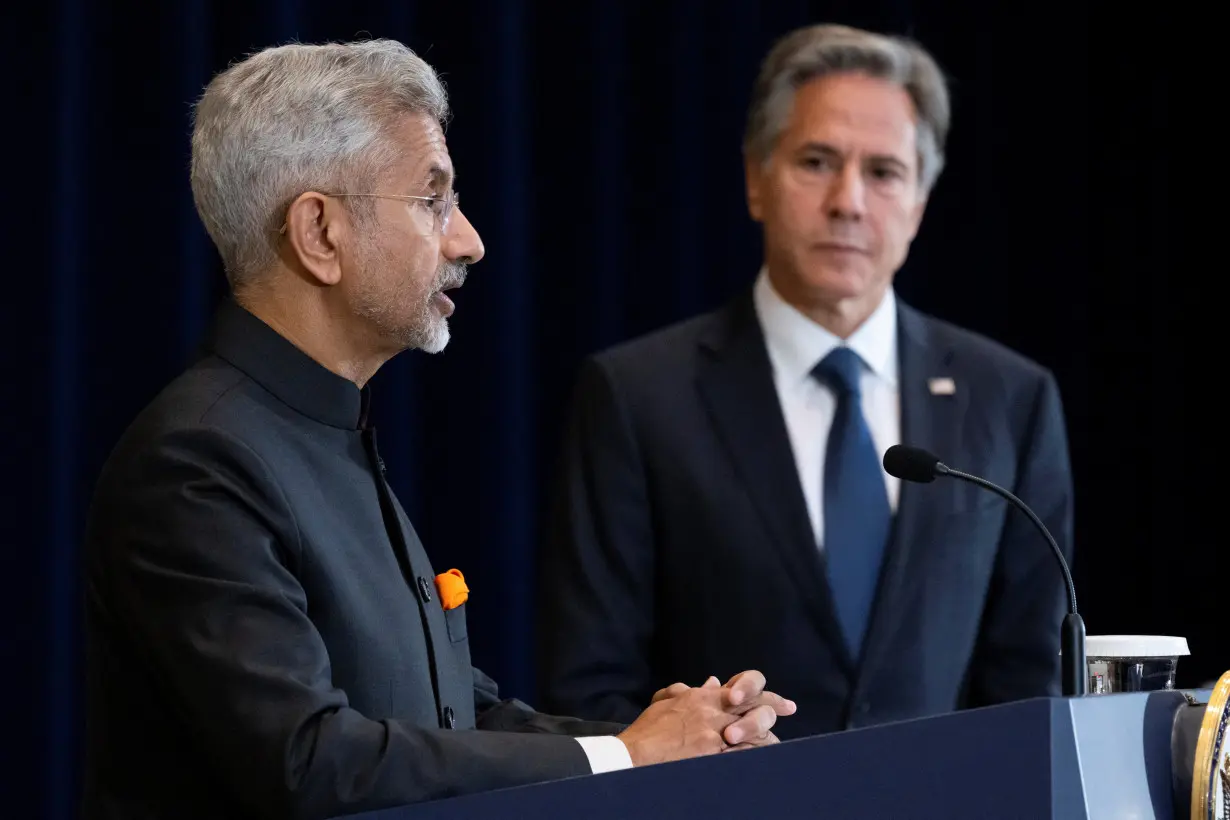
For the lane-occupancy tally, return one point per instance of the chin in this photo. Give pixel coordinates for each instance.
(834, 286)
(436, 338)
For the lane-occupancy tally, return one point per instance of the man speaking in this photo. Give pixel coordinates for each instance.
(266, 636)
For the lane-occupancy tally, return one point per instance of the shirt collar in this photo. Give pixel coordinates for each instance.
(796, 343)
(297, 379)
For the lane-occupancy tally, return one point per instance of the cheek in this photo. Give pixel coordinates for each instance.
(425, 262)
(797, 211)
(893, 226)
(412, 262)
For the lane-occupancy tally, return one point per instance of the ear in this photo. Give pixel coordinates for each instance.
(754, 179)
(314, 223)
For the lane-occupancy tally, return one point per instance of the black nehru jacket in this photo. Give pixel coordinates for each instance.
(264, 634)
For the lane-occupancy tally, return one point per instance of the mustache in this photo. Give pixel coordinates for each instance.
(451, 275)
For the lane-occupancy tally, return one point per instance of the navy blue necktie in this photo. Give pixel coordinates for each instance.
(857, 517)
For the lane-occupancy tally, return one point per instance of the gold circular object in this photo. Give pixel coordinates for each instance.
(1211, 771)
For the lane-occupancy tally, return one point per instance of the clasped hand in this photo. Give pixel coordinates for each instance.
(684, 721)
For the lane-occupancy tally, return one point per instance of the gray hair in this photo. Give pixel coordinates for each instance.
(296, 118)
(816, 51)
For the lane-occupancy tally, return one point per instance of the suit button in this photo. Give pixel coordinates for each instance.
(450, 720)
(864, 708)
(424, 589)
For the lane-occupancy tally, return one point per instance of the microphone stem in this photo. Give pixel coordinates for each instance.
(1020, 505)
(1074, 672)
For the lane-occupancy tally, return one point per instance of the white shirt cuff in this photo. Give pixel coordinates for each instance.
(606, 753)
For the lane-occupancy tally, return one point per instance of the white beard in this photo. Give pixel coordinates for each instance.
(426, 330)
(435, 334)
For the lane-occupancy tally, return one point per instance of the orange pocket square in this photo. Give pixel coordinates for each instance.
(452, 589)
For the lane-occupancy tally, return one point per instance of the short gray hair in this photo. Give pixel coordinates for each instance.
(295, 118)
(816, 51)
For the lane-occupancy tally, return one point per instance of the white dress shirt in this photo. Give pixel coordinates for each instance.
(796, 344)
(606, 753)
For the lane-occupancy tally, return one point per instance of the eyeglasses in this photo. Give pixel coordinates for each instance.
(441, 206)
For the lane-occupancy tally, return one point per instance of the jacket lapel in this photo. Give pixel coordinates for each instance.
(931, 418)
(735, 381)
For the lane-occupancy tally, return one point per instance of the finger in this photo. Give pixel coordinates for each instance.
(706, 743)
(672, 691)
(776, 702)
(711, 683)
(761, 720)
(752, 726)
(709, 706)
(744, 686)
(767, 740)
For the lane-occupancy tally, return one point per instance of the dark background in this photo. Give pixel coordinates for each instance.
(597, 146)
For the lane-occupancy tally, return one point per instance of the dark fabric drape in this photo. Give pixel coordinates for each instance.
(598, 153)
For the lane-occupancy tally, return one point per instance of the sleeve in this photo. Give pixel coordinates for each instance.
(1017, 655)
(606, 754)
(512, 715)
(195, 565)
(596, 618)
(597, 739)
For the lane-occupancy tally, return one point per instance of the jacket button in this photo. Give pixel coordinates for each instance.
(864, 708)
(450, 720)
(424, 589)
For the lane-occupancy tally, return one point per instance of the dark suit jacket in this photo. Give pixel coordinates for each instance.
(264, 634)
(680, 545)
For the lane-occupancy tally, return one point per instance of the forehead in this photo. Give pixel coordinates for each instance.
(422, 153)
(854, 112)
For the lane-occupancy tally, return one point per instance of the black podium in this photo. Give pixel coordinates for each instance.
(1106, 756)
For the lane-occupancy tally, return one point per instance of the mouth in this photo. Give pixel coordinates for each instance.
(838, 247)
(443, 304)
(440, 298)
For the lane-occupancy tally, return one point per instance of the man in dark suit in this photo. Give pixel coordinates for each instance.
(722, 502)
(266, 635)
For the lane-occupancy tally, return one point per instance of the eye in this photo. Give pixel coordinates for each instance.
(815, 163)
(437, 204)
(885, 173)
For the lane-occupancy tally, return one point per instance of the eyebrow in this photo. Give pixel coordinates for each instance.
(825, 148)
(438, 176)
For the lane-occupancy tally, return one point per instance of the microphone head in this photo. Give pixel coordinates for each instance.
(911, 464)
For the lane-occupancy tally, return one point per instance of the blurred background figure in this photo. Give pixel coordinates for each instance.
(723, 500)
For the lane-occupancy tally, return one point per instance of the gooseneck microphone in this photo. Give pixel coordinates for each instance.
(914, 464)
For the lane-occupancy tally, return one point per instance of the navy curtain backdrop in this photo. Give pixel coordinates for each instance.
(598, 152)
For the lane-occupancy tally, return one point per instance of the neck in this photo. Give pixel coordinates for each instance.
(841, 317)
(310, 322)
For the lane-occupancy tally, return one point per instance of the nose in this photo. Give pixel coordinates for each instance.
(461, 241)
(848, 194)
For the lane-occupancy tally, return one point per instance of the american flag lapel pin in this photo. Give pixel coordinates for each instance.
(942, 386)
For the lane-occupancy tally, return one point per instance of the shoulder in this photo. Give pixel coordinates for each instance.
(976, 353)
(210, 395)
(1006, 389)
(644, 375)
(663, 349)
(658, 363)
(208, 421)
